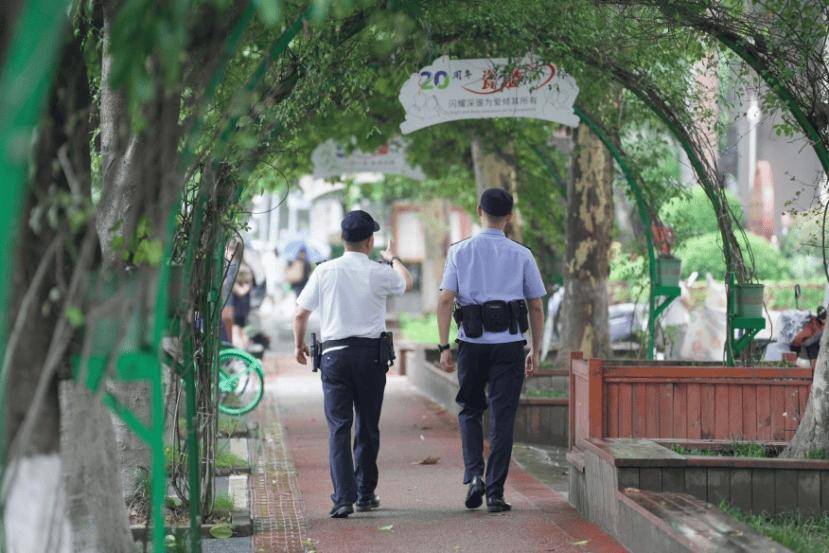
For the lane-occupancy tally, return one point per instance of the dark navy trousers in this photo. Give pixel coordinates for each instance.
(501, 368)
(353, 380)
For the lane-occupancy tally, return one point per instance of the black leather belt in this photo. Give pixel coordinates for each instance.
(356, 342)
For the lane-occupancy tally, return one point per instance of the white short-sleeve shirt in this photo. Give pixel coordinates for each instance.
(351, 293)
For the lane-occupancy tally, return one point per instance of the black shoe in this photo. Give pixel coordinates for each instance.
(475, 493)
(341, 511)
(497, 505)
(368, 504)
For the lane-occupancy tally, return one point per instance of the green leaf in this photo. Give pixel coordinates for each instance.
(269, 12)
(221, 531)
(75, 316)
(387, 528)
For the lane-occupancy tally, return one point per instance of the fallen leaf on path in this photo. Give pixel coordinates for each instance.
(580, 542)
(429, 460)
(387, 528)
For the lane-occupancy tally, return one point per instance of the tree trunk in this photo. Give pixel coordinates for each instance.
(812, 434)
(497, 169)
(589, 227)
(93, 518)
(435, 218)
(139, 180)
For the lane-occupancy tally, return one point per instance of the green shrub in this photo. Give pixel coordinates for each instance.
(423, 329)
(693, 215)
(704, 254)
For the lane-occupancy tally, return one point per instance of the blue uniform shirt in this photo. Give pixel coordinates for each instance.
(490, 266)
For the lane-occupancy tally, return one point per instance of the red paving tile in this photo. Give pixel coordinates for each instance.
(423, 504)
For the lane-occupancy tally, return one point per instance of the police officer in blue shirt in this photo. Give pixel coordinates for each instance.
(495, 288)
(351, 293)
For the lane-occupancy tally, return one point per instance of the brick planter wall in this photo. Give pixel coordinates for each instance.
(539, 420)
(755, 485)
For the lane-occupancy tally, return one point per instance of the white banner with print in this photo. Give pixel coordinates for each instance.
(449, 90)
(332, 160)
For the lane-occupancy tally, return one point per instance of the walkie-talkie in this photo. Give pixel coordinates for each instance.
(316, 354)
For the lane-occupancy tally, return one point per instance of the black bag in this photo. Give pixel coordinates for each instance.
(496, 316)
(473, 325)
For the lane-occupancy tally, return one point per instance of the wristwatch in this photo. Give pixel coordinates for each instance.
(443, 347)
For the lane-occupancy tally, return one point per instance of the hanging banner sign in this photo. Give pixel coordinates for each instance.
(449, 90)
(332, 160)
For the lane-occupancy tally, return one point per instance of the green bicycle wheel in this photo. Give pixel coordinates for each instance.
(241, 382)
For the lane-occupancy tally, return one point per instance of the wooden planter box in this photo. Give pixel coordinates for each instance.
(659, 400)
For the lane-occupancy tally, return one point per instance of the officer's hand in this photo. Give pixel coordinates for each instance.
(447, 360)
(531, 363)
(301, 352)
(388, 253)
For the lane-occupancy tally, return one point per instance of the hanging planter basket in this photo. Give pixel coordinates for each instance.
(668, 270)
(748, 300)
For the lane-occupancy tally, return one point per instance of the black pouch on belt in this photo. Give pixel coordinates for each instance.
(473, 325)
(518, 309)
(496, 315)
(387, 355)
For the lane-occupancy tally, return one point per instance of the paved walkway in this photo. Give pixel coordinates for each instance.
(422, 504)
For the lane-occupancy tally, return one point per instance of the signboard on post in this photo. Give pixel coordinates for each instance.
(450, 90)
(332, 160)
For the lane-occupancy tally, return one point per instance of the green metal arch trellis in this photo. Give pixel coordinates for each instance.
(21, 103)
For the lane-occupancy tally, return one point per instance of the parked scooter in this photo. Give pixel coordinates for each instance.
(800, 332)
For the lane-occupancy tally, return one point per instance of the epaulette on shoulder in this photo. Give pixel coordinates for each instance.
(522, 245)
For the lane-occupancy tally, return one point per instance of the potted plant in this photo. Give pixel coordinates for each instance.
(668, 270)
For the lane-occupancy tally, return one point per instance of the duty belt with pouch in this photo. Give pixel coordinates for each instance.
(384, 345)
(492, 316)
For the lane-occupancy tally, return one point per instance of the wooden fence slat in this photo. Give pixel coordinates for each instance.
(792, 414)
(735, 412)
(694, 420)
(763, 413)
(680, 429)
(666, 410)
(612, 412)
(707, 408)
(625, 411)
(749, 428)
(721, 412)
(640, 406)
(652, 410)
(778, 407)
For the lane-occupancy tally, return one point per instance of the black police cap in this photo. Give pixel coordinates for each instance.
(496, 201)
(358, 225)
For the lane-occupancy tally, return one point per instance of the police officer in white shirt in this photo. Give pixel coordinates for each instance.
(351, 294)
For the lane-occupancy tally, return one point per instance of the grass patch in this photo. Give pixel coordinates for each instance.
(798, 533)
(817, 454)
(222, 507)
(735, 449)
(544, 393)
(423, 329)
(231, 426)
(226, 459)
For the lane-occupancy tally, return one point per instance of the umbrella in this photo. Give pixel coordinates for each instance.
(291, 251)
